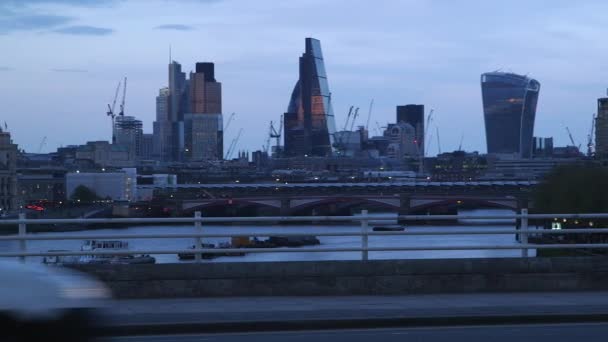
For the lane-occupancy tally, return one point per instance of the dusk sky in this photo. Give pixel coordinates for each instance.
(61, 60)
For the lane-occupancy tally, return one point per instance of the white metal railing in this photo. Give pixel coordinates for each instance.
(198, 233)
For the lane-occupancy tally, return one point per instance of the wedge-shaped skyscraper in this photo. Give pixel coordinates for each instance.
(309, 120)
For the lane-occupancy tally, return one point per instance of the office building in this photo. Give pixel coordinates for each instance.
(203, 127)
(8, 173)
(118, 186)
(203, 137)
(205, 91)
(413, 115)
(41, 184)
(162, 126)
(177, 87)
(102, 154)
(147, 146)
(402, 141)
(601, 128)
(309, 121)
(128, 132)
(180, 133)
(509, 105)
(542, 147)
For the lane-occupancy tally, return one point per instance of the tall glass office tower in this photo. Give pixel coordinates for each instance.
(509, 105)
(309, 120)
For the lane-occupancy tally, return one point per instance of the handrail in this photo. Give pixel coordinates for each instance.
(199, 225)
(263, 219)
(481, 231)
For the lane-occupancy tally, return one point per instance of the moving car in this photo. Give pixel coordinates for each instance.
(39, 302)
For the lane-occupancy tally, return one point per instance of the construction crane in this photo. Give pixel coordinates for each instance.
(355, 116)
(229, 121)
(590, 144)
(110, 111)
(460, 144)
(378, 128)
(438, 142)
(350, 111)
(124, 95)
(429, 119)
(570, 136)
(276, 134)
(42, 143)
(338, 140)
(233, 145)
(369, 114)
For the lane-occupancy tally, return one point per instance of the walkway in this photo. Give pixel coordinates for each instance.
(285, 313)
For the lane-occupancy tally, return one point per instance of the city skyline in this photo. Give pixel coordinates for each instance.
(432, 66)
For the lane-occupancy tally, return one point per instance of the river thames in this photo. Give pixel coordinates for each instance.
(262, 231)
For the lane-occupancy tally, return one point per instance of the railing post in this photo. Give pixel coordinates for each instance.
(524, 236)
(364, 236)
(198, 228)
(22, 232)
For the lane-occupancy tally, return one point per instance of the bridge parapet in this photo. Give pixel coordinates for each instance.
(339, 278)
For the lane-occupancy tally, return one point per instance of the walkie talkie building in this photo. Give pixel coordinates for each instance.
(509, 105)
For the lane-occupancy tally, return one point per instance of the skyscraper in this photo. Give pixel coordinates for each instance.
(162, 126)
(177, 82)
(203, 131)
(413, 115)
(309, 120)
(128, 132)
(601, 128)
(509, 105)
(177, 92)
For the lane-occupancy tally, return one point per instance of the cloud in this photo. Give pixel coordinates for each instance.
(10, 21)
(69, 70)
(82, 3)
(176, 27)
(26, 15)
(84, 30)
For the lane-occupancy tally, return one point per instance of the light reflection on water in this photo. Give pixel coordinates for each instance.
(326, 241)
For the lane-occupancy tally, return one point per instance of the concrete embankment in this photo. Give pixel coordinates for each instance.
(340, 278)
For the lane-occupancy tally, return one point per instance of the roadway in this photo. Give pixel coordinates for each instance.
(496, 333)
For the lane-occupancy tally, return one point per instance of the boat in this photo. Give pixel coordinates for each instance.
(228, 245)
(59, 259)
(293, 241)
(191, 256)
(112, 245)
(395, 228)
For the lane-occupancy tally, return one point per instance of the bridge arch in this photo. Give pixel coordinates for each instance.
(227, 206)
(338, 205)
(424, 205)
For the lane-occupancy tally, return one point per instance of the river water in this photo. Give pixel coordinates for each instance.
(326, 241)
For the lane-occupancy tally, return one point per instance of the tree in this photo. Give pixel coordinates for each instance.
(573, 189)
(84, 194)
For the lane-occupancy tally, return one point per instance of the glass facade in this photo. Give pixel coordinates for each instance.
(413, 115)
(509, 105)
(203, 136)
(601, 128)
(309, 120)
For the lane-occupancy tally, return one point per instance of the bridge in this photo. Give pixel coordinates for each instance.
(417, 197)
(340, 204)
